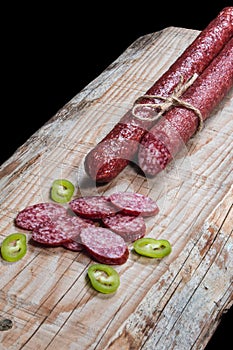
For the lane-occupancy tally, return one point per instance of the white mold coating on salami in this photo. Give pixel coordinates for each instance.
(104, 245)
(34, 215)
(134, 203)
(94, 207)
(129, 227)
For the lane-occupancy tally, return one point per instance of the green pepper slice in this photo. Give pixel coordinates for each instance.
(103, 278)
(153, 248)
(14, 247)
(62, 190)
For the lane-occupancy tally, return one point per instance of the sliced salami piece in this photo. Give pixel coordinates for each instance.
(94, 207)
(33, 216)
(104, 245)
(48, 233)
(62, 229)
(72, 245)
(129, 227)
(70, 225)
(134, 203)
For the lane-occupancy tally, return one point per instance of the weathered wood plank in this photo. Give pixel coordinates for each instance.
(173, 303)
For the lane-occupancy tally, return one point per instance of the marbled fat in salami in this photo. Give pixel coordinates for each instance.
(134, 203)
(73, 245)
(104, 246)
(63, 229)
(94, 207)
(33, 216)
(128, 227)
(49, 234)
(75, 224)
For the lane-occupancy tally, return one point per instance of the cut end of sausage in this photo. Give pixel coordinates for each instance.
(153, 155)
(103, 172)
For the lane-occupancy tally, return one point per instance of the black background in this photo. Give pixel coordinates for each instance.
(49, 52)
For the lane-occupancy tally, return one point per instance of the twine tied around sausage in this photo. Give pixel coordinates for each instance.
(168, 102)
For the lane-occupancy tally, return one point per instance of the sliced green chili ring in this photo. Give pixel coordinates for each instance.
(14, 247)
(103, 278)
(153, 248)
(62, 190)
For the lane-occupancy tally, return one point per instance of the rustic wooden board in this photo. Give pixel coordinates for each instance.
(173, 303)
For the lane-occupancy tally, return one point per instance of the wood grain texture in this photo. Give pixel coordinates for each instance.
(172, 303)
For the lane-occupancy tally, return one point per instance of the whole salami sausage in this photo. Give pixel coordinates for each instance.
(177, 126)
(119, 146)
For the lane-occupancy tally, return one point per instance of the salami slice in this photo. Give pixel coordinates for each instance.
(73, 230)
(94, 207)
(70, 225)
(129, 227)
(73, 245)
(33, 216)
(49, 234)
(104, 245)
(134, 203)
(62, 229)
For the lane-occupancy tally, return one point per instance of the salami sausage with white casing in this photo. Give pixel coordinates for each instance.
(111, 155)
(178, 125)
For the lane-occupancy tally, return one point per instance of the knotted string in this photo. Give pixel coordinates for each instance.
(168, 102)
